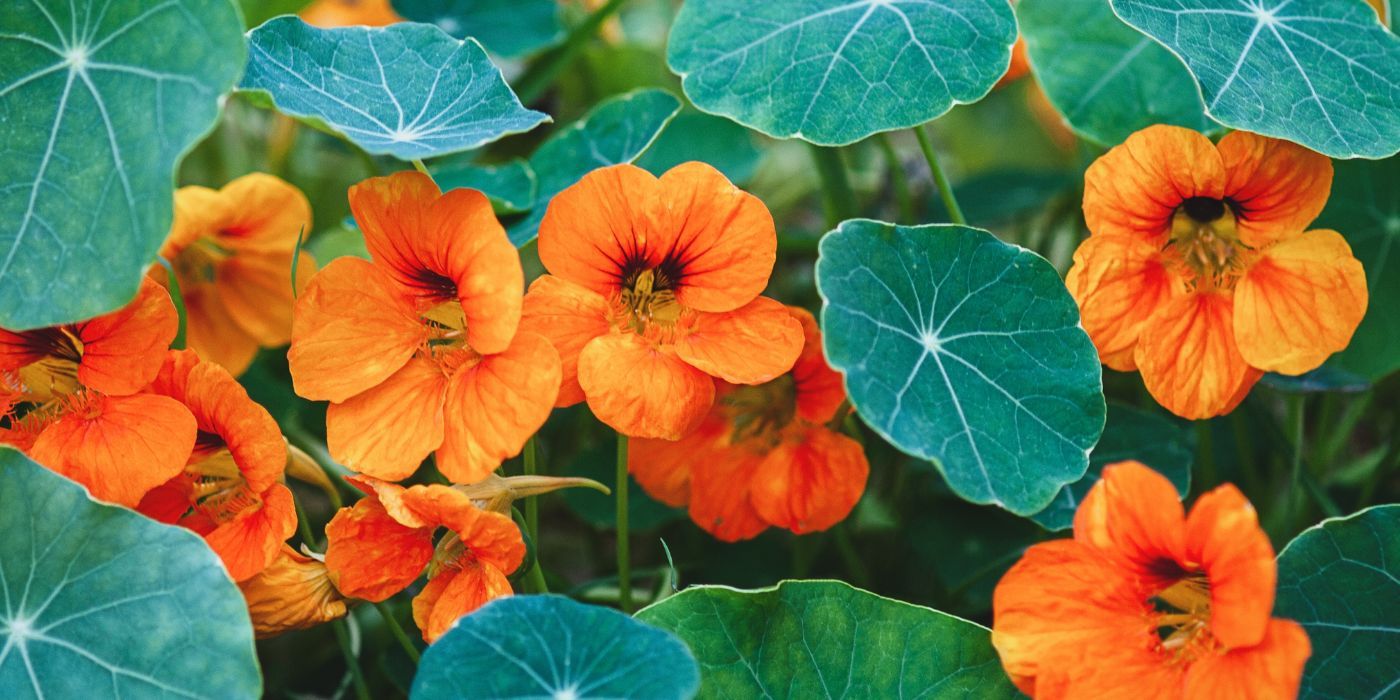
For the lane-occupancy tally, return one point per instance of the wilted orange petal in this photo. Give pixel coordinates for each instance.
(569, 316)
(594, 228)
(1134, 189)
(811, 481)
(663, 467)
(370, 555)
(390, 496)
(720, 489)
(493, 538)
(642, 390)
(1118, 282)
(123, 350)
(755, 343)
(250, 542)
(1278, 187)
(1134, 515)
(456, 591)
(387, 431)
(212, 332)
(1188, 357)
(1271, 669)
(1223, 535)
(294, 592)
(819, 387)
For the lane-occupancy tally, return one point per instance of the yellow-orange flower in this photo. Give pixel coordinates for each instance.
(232, 252)
(653, 289)
(294, 592)
(764, 455)
(345, 13)
(1149, 601)
(418, 351)
(1198, 272)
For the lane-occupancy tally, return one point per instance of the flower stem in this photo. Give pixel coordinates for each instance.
(418, 165)
(898, 180)
(397, 630)
(534, 578)
(624, 554)
(945, 190)
(838, 198)
(1296, 489)
(357, 675)
(538, 77)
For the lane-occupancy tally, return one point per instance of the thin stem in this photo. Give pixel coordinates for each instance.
(847, 549)
(308, 537)
(397, 630)
(1205, 455)
(418, 165)
(837, 197)
(534, 578)
(898, 180)
(538, 77)
(1296, 488)
(357, 675)
(945, 190)
(624, 554)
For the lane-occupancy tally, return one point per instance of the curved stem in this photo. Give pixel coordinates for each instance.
(838, 198)
(397, 630)
(624, 554)
(945, 190)
(357, 675)
(898, 180)
(538, 77)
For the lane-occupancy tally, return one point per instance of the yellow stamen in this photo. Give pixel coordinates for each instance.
(1205, 235)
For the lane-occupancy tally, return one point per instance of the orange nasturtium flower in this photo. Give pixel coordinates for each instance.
(417, 351)
(1198, 272)
(294, 592)
(764, 455)
(230, 490)
(1148, 598)
(346, 13)
(653, 289)
(232, 252)
(76, 399)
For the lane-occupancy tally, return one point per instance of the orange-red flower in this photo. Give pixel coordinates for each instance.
(74, 401)
(417, 351)
(1149, 601)
(653, 289)
(764, 455)
(294, 592)
(1198, 272)
(230, 490)
(232, 252)
(345, 13)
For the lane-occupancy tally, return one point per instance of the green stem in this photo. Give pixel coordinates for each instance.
(538, 77)
(624, 554)
(903, 199)
(357, 675)
(1205, 455)
(397, 630)
(308, 537)
(847, 549)
(532, 506)
(1296, 489)
(945, 190)
(838, 198)
(418, 165)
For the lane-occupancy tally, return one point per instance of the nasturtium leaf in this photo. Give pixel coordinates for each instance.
(95, 113)
(1129, 434)
(406, 90)
(547, 646)
(99, 601)
(256, 12)
(1341, 580)
(964, 350)
(617, 130)
(695, 136)
(825, 639)
(1327, 378)
(1322, 73)
(510, 185)
(505, 27)
(833, 72)
(1105, 78)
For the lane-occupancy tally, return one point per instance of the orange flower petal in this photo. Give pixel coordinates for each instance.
(123, 350)
(493, 538)
(212, 332)
(1299, 303)
(1271, 669)
(1118, 282)
(569, 316)
(250, 542)
(643, 390)
(346, 13)
(1134, 189)
(1188, 357)
(663, 467)
(119, 447)
(256, 291)
(199, 212)
(494, 406)
(720, 488)
(370, 555)
(1278, 187)
(265, 214)
(594, 228)
(387, 431)
(810, 482)
(390, 496)
(455, 592)
(294, 592)
(1223, 535)
(351, 329)
(1135, 517)
(755, 343)
(820, 391)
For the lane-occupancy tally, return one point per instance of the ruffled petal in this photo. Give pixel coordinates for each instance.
(387, 431)
(294, 592)
(264, 214)
(569, 316)
(250, 542)
(123, 350)
(1269, 670)
(820, 391)
(1224, 539)
(1134, 516)
(755, 343)
(641, 389)
(662, 467)
(1118, 283)
(370, 555)
(811, 481)
(597, 230)
(457, 591)
(491, 537)
(720, 489)
(1135, 188)
(1188, 358)
(1277, 187)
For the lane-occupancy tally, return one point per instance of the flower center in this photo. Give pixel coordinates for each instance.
(196, 263)
(762, 411)
(220, 492)
(1183, 619)
(447, 336)
(648, 298)
(1205, 238)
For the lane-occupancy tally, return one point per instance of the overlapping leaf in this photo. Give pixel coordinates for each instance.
(509, 185)
(505, 27)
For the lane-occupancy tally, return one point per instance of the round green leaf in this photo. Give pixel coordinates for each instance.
(101, 602)
(695, 136)
(547, 646)
(1155, 440)
(964, 350)
(505, 27)
(510, 185)
(1104, 77)
(407, 90)
(833, 72)
(1340, 580)
(98, 103)
(617, 130)
(825, 639)
(1322, 73)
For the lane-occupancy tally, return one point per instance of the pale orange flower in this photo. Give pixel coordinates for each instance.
(345, 13)
(294, 592)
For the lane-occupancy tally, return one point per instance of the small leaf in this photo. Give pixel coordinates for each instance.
(102, 602)
(1322, 73)
(964, 350)
(547, 646)
(825, 639)
(833, 72)
(407, 90)
(510, 185)
(694, 136)
(1340, 580)
(509, 28)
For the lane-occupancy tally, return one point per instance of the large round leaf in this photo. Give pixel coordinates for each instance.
(407, 90)
(1341, 581)
(1323, 73)
(102, 602)
(505, 27)
(1104, 77)
(825, 639)
(547, 646)
(964, 350)
(98, 103)
(509, 185)
(833, 72)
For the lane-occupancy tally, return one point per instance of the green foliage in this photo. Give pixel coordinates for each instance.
(510, 185)
(505, 27)
(598, 463)
(693, 136)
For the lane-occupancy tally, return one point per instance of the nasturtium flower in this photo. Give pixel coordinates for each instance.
(230, 491)
(653, 290)
(764, 455)
(418, 349)
(1149, 601)
(232, 251)
(346, 13)
(1199, 271)
(75, 399)
(294, 592)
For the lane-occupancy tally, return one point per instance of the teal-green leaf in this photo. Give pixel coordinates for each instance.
(99, 101)
(547, 646)
(833, 72)
(617, 130)
(407, 90)
(695, 136)
(506, 27)
(1105, 78)
(1341, 580)
(101, 602)
(510, 185)
(1151, 438)
(1322, 73)
(964, 350)
(825, 639)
